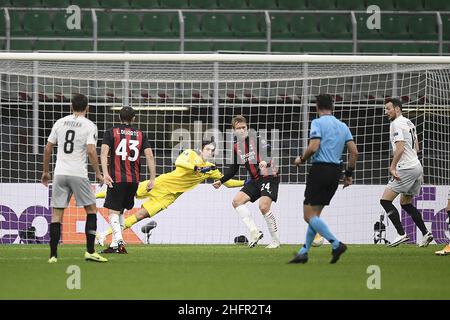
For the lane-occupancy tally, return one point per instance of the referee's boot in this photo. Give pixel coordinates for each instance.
(336, 253)
(300, 258)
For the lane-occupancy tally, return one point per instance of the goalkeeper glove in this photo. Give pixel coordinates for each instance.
(204, 169)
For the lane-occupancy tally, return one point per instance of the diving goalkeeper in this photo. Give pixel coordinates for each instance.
(192, 168)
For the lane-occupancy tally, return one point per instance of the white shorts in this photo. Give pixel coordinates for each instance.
(410, 181)
(63, 188)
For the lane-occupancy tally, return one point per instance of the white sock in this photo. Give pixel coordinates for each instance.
(122, 220)
(272, 226)
(116, 229)
(246, 216)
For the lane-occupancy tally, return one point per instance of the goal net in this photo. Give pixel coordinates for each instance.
(181, 102)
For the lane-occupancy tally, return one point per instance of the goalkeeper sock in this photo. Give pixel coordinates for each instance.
(55, 235)
(130, 221)
(416, 216)
(116, 229)
(245, 215)
(272, 226)
(320, 226)
(90, 228)
(393, 215)
(310, 234)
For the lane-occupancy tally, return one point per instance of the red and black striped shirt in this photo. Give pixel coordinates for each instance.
(126, 147)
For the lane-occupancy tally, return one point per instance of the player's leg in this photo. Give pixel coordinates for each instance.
(239, 204)
(406, 203)
(55, 233)
(446, 250)
(386, 202)
(265, 204)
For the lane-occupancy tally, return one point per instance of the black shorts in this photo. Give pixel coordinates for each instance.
(121, 196)
(321, 184)
(255, 189)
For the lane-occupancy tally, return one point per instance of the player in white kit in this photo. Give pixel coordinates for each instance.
(406, 171)
(76, 137)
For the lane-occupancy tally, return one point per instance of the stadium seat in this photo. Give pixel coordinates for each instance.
(373, 48)
(203, 4)
(48, 45)
(21, 45)
(292, 4)
(126, 25)
(166, 46)
(143, 46)
(227, 46)
(437, 5)
(446, 26)
(215, 25)
(144, 4)
(5, 3)
(26, 3)
(279, 26)
(115, 4)
(431, 48)
(341, 47)
(322, 5)
(409, 5)
(384, 4)
(2, 24)
(423, 27)
(304, 26)
(254, 46)
(232, 4)
(351, 5)
(2, 45)
(363, 32)
(104, 26)
(394, 26)
(316, 48)
(286, 47)
(333, 26)
(191, 24)
(246, 25)
(84, 4)
(55, 3)
(158, 24)
(37, 23)
(197, 47)
(16, 25)
(262, 4)
(60, 25)
(174, 4)
(110, 46)
(78, 45)
(406, 48)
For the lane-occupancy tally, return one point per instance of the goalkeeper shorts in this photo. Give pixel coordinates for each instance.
(159, 199)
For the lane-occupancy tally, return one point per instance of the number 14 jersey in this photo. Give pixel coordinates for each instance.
(126, 145)
(402, 129)
(72, 134)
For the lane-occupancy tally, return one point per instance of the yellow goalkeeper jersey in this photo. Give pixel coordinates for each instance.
(184, 178)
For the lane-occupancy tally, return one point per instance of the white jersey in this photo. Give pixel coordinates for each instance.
(402, 129)
(72, 134)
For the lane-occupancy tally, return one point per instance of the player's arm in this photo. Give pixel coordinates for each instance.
(351, 165)
(47, 155)
(399, 149)
(229, 173)
(313, 146)
(93, 159)
(231, 183)
(151, 167)
(265, 153)
(104, 161)
(184, 161)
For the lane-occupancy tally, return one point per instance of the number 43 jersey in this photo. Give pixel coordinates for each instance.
(126, 145)
(72, 134)
(402, 129)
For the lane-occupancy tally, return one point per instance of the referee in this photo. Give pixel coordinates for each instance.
(328, 137)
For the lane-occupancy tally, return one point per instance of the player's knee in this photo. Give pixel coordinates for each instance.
(264, 208)
(236, 203)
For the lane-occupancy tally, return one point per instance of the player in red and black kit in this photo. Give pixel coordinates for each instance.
(124, 144)
(254, 153)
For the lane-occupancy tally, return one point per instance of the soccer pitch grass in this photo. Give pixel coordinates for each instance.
(225, 272)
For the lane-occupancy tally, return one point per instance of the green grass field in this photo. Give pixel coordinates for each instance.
(225, 272)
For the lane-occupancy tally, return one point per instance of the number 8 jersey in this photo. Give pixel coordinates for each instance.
(72, 134)
(126, 145)
(402, 129)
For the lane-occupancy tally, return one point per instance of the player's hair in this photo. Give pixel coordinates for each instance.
(395, 102)
(237, 119)
(206, 142)
(324, 101)
(127, 114)
(79, 102)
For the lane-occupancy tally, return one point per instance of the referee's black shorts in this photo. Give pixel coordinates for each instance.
(121, 196)
(322, 183)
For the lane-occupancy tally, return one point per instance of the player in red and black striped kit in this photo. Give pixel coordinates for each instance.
(125, 145)
(254, 153)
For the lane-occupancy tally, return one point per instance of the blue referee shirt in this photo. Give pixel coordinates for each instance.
(333, 135)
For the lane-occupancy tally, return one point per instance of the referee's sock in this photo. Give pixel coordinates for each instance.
(55, 235)
(416, 216)
(310, 234)
(320, 227)
(90, 229)
(393, 215)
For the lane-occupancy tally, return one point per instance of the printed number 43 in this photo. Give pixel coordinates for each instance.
(121, 149)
